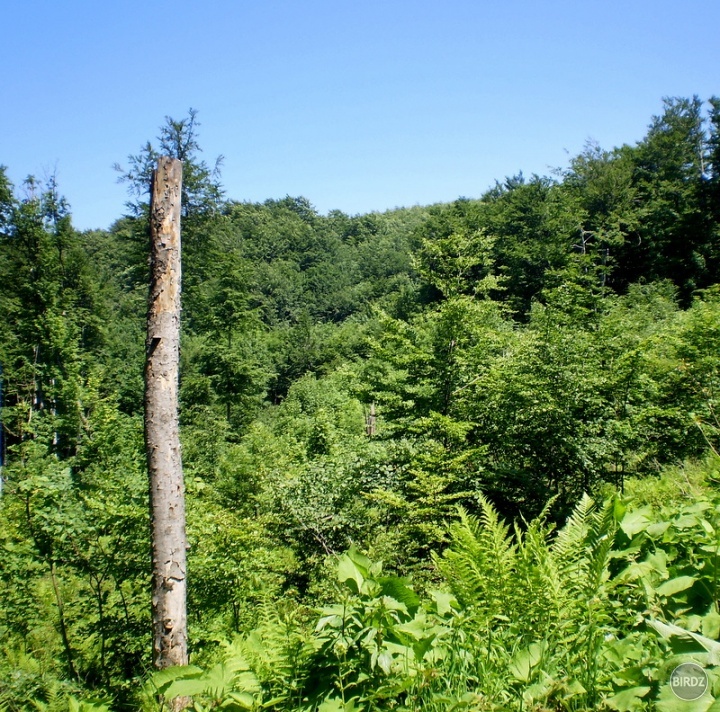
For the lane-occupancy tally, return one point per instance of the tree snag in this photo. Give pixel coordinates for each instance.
(162, 441)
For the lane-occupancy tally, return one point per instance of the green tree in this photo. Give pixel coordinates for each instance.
(672, 235)
(53, 316)
(201, 192)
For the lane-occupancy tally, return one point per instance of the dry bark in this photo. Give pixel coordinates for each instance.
(162, 442)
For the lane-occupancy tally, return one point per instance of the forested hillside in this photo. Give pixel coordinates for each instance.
(462, 456)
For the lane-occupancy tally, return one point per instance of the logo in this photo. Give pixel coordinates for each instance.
(689, 681)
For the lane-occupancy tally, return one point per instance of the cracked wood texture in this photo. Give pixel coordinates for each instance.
(162, 442)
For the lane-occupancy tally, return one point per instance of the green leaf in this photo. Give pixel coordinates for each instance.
(444, 602)
(162, 679)
(711, 625)
(523, 662)
(669, 631)
(418, 628)
(392, 604)
(688, 521)
(243, 700)
(360, 560)
(668, 701)
(657, 529)
(635, 571)
(658, 561)
(349, 574)
(74, 705)
(628, 700)
(385, 661)
(636, 521)
(333, 704)
(619, 509)
(185, 687)
(397, 588)
(422, 646)
(673, 586)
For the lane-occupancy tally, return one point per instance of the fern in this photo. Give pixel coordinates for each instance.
(278, 650)
(480, 564)
(25, 684)
(569, 545)
(582, 552)
(523, 591)
(540, 579)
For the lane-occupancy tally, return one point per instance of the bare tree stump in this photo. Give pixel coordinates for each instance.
(162, 441)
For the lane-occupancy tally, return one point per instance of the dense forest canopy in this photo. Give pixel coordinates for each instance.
(410, 385)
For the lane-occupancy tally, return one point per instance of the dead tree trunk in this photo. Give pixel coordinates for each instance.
(162, 442)
(370, 421)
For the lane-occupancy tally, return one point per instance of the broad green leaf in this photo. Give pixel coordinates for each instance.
(334, 621)
(634, 571)
(398, 650)
(162, 679)
(574, 689)
(444, 602)
(628, 700)
(74, 705)
(673, 586)
(360, 560)
(669, 631)
(711, 625)
(243, 700)
(422, 646)
(657, 529)
(619, 509)
(668, 701)
(334, 704)
(631, 674)
(398, 589)
(707, 526)
(384, 661)
(636, 521)
(658, 561)
(185, 687)
(523, 662)
(686, 522)
(417, 628)
(538, 691)
(392, 604)
(349, 573)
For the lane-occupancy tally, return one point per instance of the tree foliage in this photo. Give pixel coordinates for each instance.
(443, 388)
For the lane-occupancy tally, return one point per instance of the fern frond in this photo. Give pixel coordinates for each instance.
(569, 545)
(600, 542)
(582, 553)
(480, 564)
(278, 649)
(539, 578)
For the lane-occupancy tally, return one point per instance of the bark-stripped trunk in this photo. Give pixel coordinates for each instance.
(162, 442)
(371, 422)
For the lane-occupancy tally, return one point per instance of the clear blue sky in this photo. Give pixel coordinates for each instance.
(358, 106)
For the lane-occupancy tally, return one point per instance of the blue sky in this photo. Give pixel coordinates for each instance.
(357, 106)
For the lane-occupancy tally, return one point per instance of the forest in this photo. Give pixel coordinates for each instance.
(463, 456)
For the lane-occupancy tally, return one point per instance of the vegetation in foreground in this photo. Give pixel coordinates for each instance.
(594, 616)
